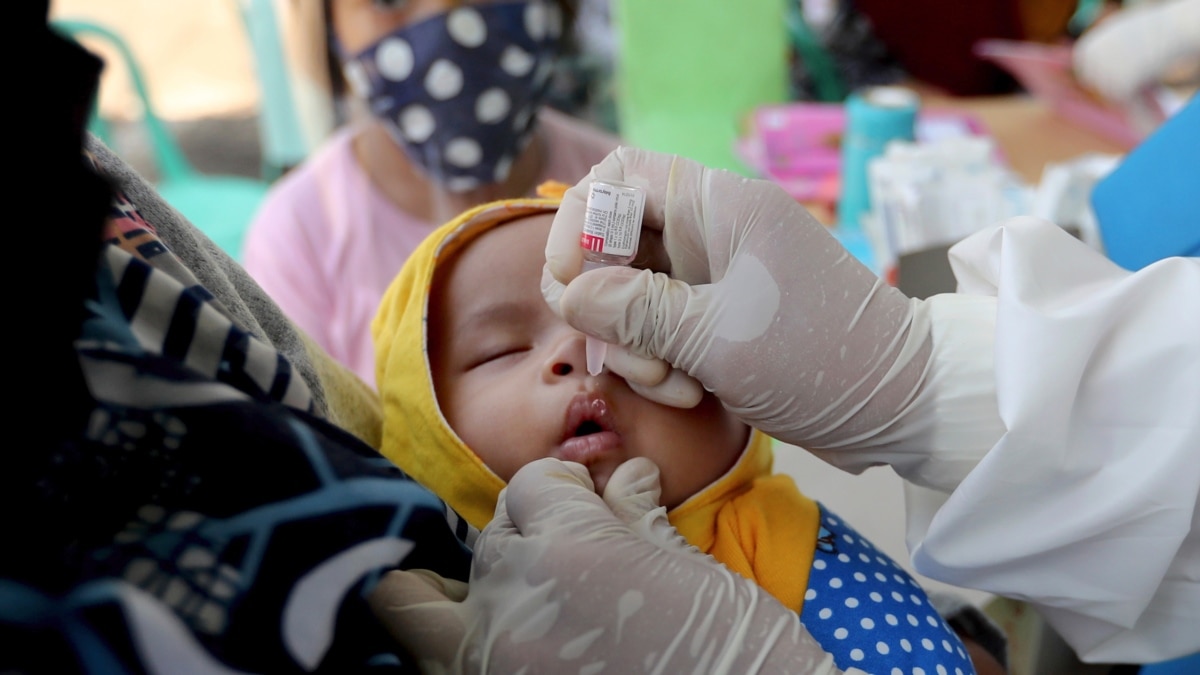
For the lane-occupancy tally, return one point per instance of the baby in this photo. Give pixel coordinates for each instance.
(478, 377)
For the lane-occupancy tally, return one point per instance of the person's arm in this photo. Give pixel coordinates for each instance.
(742, 280)
(1096, 383)
(1051, 429)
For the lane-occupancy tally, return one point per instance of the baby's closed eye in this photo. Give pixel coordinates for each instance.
(497, 355)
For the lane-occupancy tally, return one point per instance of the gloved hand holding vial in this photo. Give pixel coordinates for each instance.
(1053, 382)
(611, 230)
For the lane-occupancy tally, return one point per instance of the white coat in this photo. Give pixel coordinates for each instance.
(1081, 496)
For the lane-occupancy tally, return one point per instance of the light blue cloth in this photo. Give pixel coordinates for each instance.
(1188, 665)
(1148, 208)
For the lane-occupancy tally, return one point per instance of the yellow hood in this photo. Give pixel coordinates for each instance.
(416, 437)
(695, 517)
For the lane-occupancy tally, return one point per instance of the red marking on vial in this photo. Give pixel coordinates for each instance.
(591, 242)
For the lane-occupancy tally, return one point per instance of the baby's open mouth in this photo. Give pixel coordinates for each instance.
(588, 427)
(587, 414)
(588, 430)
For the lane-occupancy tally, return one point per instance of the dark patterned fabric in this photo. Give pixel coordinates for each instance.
(460, 90)
(171, 498)
(197, 518)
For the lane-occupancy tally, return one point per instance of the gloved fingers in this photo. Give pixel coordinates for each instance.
(761, 304)
(548, 497)
(577, 586)
(547, 493)
(1136, 45)
(677, 389)
(633, 490)
(552, 290)
(491, 545)
(647, 170)
(401, 588)
(643, 311)
(1102, 60)
(419, 609)
(652, 378)
(453, 589)
(634, 367)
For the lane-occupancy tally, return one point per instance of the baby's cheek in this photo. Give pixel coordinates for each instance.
(519, 444)
(503, 453)
(683, 479)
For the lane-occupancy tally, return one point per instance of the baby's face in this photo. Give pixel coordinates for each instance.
(512, 381)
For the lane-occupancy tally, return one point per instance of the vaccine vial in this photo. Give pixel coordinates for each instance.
(613, 224)
(612, 228)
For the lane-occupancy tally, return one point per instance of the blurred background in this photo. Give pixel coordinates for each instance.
(758, 99)
(996, 120)
(199, 71)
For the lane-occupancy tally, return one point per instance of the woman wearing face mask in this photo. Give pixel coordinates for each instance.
(446, 112)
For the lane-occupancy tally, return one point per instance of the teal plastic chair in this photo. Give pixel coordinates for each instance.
(283, 142)
(827, 83)
(221, 206)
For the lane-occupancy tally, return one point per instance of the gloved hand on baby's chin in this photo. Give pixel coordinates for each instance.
(600, 602)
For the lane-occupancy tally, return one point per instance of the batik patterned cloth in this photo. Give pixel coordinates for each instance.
(196, 517)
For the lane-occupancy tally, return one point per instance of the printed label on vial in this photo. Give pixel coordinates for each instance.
(614, 216)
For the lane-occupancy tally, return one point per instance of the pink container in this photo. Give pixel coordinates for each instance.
(1045, 71)
(798, 145)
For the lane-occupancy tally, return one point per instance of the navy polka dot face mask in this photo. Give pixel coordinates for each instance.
(460, 91)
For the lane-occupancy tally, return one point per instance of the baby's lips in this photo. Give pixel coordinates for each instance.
(586, 408)
(588, 450)
(589, 432)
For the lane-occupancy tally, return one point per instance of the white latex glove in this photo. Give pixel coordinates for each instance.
(754, 298)
(1135, 46)
(563, 581)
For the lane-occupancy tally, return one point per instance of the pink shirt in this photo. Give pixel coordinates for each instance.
(326, 243)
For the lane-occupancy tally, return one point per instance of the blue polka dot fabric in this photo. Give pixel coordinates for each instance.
(871, 614)
(460, 91)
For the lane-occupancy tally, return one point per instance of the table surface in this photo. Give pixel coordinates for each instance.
(1027, 131)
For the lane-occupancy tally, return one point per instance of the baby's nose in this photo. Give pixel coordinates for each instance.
(567, 357)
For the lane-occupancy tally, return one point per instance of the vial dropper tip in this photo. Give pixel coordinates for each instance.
(596, 350)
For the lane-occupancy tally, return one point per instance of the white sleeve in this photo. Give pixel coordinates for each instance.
(1084, 499)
